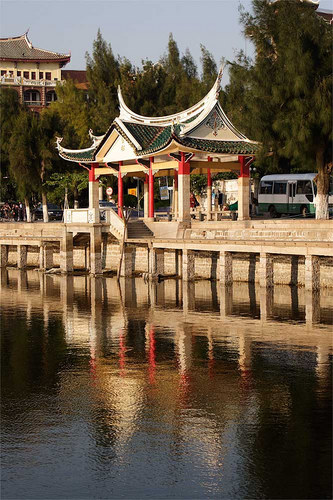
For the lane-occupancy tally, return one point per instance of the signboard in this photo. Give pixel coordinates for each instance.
(109, 191)
(164, 193)
(132, 191)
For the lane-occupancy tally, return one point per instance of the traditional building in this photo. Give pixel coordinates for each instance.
(199, 140)
(32, 72)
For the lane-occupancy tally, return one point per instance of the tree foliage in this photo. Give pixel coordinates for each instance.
(103, 76)
(9, 109)
(283, 98)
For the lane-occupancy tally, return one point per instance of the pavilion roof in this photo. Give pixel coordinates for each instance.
(86, 155)
(203, 128)
(20, 48)
(153, 139)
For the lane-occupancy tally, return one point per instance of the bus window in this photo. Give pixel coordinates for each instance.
(280, 187)
(304, 187)
(266, 187)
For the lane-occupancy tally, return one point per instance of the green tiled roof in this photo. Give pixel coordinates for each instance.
(152, 139)
(155, 138)
(222, 147)
(78, 156)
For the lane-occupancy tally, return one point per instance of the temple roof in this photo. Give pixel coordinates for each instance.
(20, 48)
(153, 139)
(86, 155)
(203, 128)
(185, 116)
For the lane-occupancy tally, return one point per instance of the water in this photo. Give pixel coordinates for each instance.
(163, 390)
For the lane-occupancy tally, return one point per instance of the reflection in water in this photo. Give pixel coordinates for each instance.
(160, 390)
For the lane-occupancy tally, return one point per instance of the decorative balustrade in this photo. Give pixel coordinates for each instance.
(91, 216)
(19, 80)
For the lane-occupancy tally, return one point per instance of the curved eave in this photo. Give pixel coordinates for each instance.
(76, 155)
(128, 115)
(79, 156)
(220, 147)
(192, 145)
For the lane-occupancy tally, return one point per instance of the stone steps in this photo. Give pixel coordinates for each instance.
(138, 230)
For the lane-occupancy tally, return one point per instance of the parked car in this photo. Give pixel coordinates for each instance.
(55, 212)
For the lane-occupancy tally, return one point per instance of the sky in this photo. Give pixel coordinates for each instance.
(137, 29)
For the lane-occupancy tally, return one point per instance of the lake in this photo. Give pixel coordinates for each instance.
(163, 390)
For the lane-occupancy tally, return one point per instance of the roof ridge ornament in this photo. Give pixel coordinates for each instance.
(218, 82)
(58, 141)
(27, 39)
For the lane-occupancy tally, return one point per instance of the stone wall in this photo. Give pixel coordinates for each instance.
(287, 269)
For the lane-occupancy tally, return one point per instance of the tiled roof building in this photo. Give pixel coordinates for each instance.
(33, 72)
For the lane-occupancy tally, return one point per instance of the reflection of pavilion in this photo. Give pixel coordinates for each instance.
(200, 139)
(96, 315)
(120, 373)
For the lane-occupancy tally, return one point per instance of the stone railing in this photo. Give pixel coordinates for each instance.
(94, 216)
(19, 80)
(116, 223)
(270, 230)
(81, 216)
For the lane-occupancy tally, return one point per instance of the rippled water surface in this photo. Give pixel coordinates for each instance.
(163, 390)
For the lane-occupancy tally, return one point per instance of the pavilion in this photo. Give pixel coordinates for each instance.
(199, 140)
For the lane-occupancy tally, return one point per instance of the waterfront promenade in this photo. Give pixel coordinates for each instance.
(265, 251)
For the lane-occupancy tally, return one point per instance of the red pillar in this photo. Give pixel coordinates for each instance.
(92, 173)
(244, 166)
(120, 191)
(209, 174)
(209, 192)
(146, 197)
(151, 190)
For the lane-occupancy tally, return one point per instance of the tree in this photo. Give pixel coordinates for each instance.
(73, 181)
(10, 107)
(48, 127)
(32, 153)
(72, 108)
(103, 77)
(209, 68)
(288, 88)
(22, 157)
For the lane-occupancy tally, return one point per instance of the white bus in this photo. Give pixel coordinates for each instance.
(292, 194)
